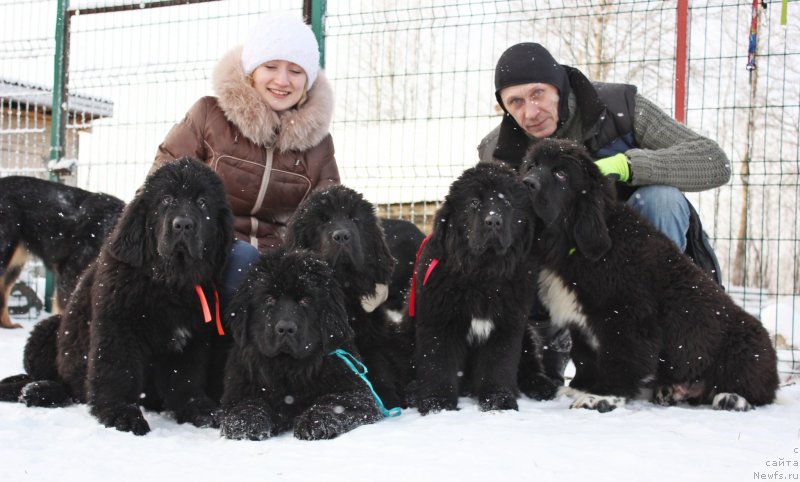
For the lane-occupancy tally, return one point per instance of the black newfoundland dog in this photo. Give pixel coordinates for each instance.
(647, 314)
(472, 294)
(288, 321)
(62, 225)
(134, 330)
(404, 239)
(340, 225)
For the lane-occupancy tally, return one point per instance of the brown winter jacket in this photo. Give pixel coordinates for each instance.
(238, 134)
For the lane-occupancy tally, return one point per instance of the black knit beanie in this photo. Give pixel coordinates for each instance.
(529, 62)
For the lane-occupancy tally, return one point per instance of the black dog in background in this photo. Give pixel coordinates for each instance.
(287, 321)
(403, 239)
(648, 316)
(340, 225)
(474, 285)
(65, 226)
(135, 323)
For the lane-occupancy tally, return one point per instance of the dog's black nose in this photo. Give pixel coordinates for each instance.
(341, 236)
(532, 182)
(182, 224)
(286, 328)
(493, 221)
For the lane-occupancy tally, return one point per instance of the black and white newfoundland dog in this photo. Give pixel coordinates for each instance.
(340, 225)
(648, 316)
(137, 329)
(288, 321)
(62, 225)
(404, 239)
(473, 291)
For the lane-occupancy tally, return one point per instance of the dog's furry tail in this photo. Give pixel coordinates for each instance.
(39, 357)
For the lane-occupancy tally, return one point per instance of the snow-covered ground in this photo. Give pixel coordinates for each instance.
(542, 441)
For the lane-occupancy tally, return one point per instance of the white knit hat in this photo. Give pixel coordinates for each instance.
(282, 37)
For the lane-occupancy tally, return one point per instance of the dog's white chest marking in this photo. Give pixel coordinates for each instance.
(479, 331)
(565, 309)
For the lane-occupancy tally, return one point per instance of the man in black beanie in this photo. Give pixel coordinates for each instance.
(633, 140)
(544, 82)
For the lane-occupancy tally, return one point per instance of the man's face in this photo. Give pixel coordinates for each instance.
(534, 107)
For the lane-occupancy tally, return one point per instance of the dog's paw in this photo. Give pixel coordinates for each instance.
(540, 387)
(665, 396)
(497, 401)
(370, 303)
(601, 403)
(45, 393)
(730, 401)
(246, 423)
(435, 405)
(123, 417)
(318, 425)
(5, 322)
(200, 412)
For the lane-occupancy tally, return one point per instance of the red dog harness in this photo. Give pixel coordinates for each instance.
(207, 311)
(412, 300)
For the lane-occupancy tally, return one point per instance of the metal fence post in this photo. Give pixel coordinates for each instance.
(314, 13)
(60, 66)
(58, 114)
(681, 42)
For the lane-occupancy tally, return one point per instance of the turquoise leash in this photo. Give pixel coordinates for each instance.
(348, 360)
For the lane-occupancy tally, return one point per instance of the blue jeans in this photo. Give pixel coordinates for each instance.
(666, 208)
(243, 256)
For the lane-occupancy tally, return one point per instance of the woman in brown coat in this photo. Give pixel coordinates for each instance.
(265, 133)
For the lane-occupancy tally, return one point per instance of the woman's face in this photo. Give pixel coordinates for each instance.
(281, 83)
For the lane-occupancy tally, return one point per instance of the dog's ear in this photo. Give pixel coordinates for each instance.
(302, 226)
(440, 230)
(590, 230)
(335, 327)
(128, 241)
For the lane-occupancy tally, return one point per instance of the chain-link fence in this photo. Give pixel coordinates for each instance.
(414, 95)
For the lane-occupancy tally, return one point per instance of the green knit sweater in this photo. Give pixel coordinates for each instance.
(669, 153)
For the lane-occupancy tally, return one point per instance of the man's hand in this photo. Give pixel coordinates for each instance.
(616, 166)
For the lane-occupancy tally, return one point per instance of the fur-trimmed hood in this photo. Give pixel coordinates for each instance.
(293, 130)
